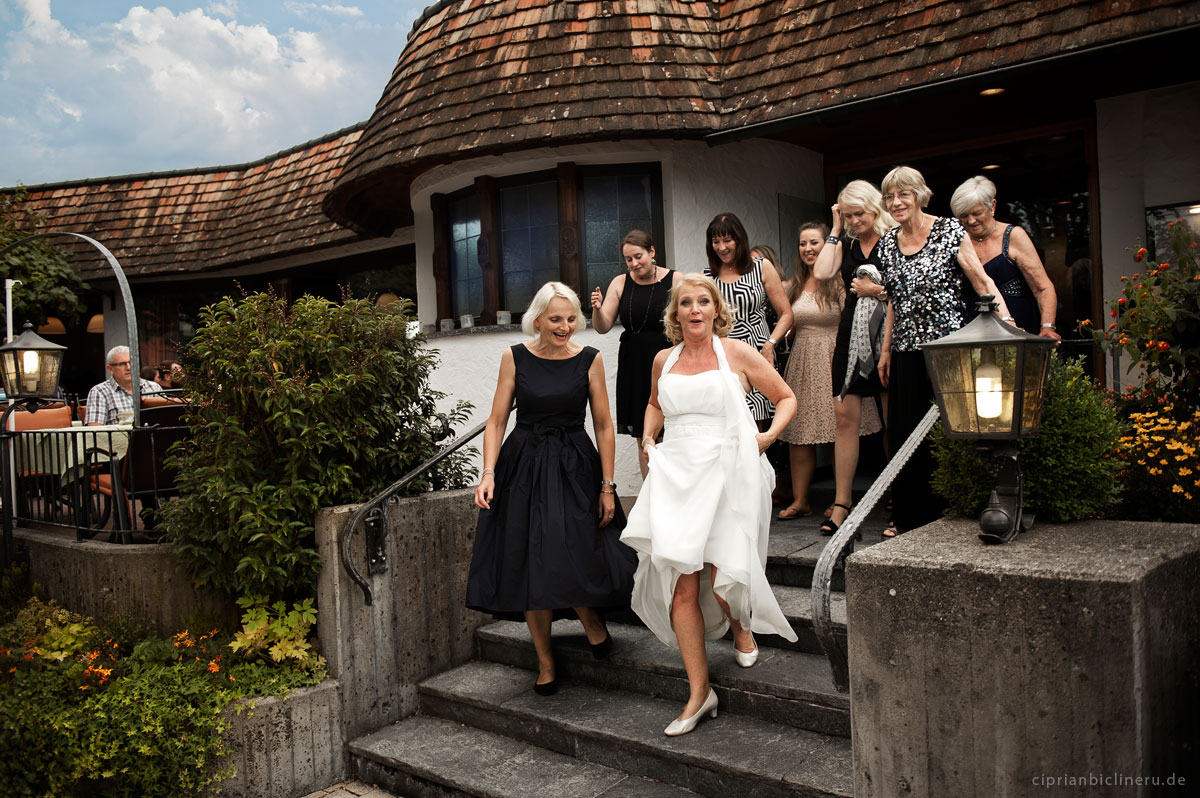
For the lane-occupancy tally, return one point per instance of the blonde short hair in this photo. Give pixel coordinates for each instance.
(722, 321)
(905, 178)
(977, 190)
(541, 300)
(861, 194)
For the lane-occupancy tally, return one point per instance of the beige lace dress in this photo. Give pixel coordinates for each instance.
(809, 374)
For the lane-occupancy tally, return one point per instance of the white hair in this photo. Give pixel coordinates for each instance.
(977, 190)
(542, 299)
(905, 178)
(112, 354)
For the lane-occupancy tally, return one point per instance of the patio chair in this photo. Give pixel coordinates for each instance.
(142, 475)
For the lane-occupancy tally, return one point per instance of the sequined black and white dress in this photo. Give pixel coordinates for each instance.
(747, 297)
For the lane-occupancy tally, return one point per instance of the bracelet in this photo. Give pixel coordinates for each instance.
(772, 341)
(611, 484)
(1048, 325)
(608, 492)
(1006, 318)
(491, 471)
(832, 239)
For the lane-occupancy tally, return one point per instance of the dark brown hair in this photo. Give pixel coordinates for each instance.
(722, 225)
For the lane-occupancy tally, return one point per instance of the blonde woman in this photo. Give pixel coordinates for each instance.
(859, 221)
(547, 540)
(816, 309)
(702, 518)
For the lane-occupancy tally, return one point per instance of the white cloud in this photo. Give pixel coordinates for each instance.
(162, 90)
(313, 9)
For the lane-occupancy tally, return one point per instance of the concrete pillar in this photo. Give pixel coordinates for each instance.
(1066, 662)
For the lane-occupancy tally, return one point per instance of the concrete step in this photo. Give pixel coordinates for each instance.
(732, 755)
(795, 545)
(423, 757)
(789, 687)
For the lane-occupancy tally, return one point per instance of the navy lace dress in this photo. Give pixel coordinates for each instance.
(540, 547)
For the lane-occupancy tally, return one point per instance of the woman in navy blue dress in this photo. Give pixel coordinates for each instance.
(548, 539)
(1009, 258)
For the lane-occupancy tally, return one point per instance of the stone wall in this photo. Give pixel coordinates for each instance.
(1062, 662)
(417, 625)
(140, 581)
(286, 747)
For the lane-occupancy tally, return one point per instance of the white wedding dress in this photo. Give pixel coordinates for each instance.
(706, 500)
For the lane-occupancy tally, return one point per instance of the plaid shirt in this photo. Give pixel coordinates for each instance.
(106, 400)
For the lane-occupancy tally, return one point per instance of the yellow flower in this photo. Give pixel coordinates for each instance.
(1176, 489)
(1185, 471)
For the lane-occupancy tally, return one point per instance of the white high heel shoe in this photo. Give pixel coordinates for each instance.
(746, 658)
(678, 727)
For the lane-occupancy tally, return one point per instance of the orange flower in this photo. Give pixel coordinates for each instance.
(1141, 253)
(1114, 313)
(213, 667)
(1163, 346)
(1121, 301)
(1112, 326)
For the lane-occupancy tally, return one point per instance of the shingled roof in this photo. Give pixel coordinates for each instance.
(205, 219)
(480, 77)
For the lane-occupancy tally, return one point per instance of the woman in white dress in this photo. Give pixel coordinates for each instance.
(701, 521)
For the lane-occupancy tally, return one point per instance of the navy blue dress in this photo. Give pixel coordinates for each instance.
(1010, 282)
(540, 546)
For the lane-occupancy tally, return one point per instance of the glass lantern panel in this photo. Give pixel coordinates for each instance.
(8, 364)
(995, 382)
(1037, 362)
(951, 376)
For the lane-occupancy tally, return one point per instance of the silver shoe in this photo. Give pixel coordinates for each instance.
(678, 727)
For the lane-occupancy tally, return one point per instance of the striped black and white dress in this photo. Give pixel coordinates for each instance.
(747, 298)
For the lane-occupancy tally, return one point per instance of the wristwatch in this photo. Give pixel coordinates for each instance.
(772, 341)
(1048, 325)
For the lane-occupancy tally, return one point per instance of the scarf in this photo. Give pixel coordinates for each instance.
(866, 332)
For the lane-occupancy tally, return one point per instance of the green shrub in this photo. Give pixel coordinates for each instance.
(295, 408)
(96, 715)
(1070, 468)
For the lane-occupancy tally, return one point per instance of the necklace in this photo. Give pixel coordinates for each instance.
(649, 302)
(987, 235)
(920, 229)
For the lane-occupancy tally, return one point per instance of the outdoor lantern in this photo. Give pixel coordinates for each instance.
(29, 366)
(990, 381)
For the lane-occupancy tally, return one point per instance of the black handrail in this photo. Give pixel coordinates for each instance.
(371, 512)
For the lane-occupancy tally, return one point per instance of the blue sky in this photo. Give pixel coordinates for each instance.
(95, 88)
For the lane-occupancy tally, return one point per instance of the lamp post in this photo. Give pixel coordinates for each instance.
(990, 380)
(29, 367)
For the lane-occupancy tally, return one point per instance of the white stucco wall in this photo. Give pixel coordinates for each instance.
(698, 182)
(1148, 151)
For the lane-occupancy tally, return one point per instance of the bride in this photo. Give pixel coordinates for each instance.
(701, 520)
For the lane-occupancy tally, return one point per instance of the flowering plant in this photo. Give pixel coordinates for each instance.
(1156, 320)
(1162, 473)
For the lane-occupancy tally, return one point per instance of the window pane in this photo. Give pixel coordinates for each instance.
(528, 241)
(466, 277)
(612, 206)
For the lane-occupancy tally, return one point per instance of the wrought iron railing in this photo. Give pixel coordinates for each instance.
(833, 553)
(369, 515)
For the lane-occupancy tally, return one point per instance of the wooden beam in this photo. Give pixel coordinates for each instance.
(489, 246)
(441, 255)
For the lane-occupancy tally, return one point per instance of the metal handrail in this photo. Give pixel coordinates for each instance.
(371, 511)
(822, 582)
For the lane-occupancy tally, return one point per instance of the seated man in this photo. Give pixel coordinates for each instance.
(110, 399)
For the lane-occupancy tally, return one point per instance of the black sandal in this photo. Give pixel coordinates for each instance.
(829, 526)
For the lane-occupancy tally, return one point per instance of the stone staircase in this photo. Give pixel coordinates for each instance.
(481, 731)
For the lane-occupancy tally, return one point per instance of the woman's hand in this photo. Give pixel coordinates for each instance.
(597, 298)
(764, 441)
(768, 353)
(863, 286)
(836, 213)
(484, 490)
(608, 505)
(885, 367)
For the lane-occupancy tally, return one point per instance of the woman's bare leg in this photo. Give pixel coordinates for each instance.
(688, 621)
(539, 629)
(593, 624)
(743, 640)
(845, 453)
(802, 459)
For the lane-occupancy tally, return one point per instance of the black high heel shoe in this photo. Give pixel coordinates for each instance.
(829, 526)
(602, 649)
(549, 688)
